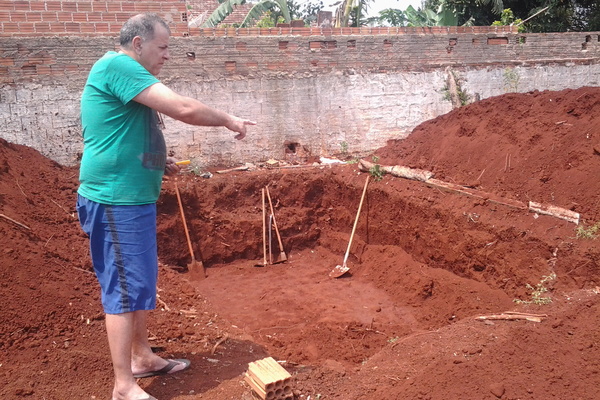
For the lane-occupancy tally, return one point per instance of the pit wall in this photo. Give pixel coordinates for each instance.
(319, 91)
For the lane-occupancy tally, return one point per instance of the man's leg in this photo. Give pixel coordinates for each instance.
(142, 357)
(120, 330)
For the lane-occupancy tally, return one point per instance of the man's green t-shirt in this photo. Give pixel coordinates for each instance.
(124, 150)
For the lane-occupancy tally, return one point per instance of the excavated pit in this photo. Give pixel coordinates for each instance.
(421, 258)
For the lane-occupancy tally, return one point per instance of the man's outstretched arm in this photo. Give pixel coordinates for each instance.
(191, 111)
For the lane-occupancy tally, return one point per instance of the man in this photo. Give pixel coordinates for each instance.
(123, 162)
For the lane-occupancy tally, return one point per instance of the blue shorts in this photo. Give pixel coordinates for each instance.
(124, 255)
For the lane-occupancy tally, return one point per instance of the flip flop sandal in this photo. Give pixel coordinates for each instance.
(166, 369)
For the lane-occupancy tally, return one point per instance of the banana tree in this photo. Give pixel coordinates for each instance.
(256, 12)
(445, 16)
(350, 8)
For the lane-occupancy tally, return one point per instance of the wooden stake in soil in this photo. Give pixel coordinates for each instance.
(194, 266)
(282, 256)
(264, 218)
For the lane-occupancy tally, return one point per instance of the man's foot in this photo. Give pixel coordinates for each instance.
(170, 367)
(131, 392)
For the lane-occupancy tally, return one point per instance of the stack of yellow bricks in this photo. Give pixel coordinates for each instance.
(269, 380)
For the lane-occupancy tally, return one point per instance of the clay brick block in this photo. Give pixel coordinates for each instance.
(10, 27)
(145, 6)
(80, 17)
(4, 16)
(33, 16)
(44, 70)
(102, 27)
(72, 27)
(71, 67)
(94, 17)
(50, 17)
(19, 17)
(70, 7)
(88, 28)
(83, 6)
(36, 6)
(42, 27)
(114, 6)
(63, 16)
(123, 16)
(26, 28)
(99, 6)
(127, 6)
(7, 5)
(7, 61)
(109, 17)
(21, 6)
(53, 6)
(58, 69)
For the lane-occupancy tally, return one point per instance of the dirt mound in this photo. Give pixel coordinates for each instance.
(424, 263)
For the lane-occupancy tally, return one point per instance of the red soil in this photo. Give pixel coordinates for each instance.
(424, 264)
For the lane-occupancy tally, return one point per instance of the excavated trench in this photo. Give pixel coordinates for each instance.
(421, 257)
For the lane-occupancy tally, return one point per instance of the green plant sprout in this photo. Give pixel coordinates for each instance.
(511, 80)
(376, 171)
(344, 147)
(537, 292)
(589, 232)
(463, 96)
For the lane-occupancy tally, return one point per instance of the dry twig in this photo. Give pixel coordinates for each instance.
(14, 222)
(224, 338)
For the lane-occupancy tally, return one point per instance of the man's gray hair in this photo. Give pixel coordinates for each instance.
(141, 25)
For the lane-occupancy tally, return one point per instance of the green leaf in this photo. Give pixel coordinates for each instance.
(222, 12)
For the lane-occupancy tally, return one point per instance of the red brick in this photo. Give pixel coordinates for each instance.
(99, 6)
(72, 27)
(71, 67)
(82, 6)
(33, 16)
(69, 6)
(80, 17)
(7, 61)
(18, 17)
(26, 28)
(58, 69)
(21, 5)
(43, 70)
(145, 6)
(115, 28)
(102, 27)
(42, 27)
(10, 27)
(53, 6)
(123, 16)
(37, 6)
(50, 17)
(108, 17)
(94, 17)
(128, 6)
(64, 16)
(87, 28)
(114, 6)
(7, 5)
(5, 16)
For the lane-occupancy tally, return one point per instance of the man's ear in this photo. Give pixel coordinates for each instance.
(136, 44)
